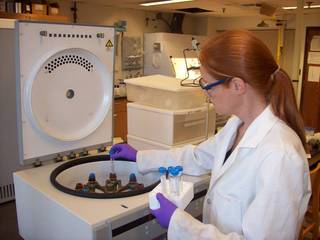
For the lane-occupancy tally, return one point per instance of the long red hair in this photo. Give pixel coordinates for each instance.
(239, 53)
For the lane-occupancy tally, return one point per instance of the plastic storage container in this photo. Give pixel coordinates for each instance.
(144, 144)
(163, 92)
(180, 201)
(170, 127)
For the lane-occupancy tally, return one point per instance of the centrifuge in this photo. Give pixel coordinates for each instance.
(65, 118)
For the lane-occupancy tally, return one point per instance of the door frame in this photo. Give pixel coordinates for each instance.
(304, 69)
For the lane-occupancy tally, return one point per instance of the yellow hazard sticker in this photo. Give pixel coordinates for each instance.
(109, 44)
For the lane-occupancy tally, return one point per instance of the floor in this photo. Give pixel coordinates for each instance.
(8, 222)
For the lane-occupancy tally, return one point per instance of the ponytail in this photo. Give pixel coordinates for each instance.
(283, 103)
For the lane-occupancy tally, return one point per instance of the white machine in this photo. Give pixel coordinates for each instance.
(47, 213)
(65, 81)
(165, 53)
(8, 131)
(64, 93)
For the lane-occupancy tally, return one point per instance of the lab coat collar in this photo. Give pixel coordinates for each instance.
(252, 137)
(258, 129)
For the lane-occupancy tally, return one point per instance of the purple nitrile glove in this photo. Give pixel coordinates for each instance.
(123, 151)
(165, 212)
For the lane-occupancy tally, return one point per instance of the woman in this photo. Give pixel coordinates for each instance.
(260, 183)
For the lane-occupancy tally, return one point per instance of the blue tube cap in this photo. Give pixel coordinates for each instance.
(85, 190)
(174, 172)
(180, 168)
(162, 170)
(92, 177)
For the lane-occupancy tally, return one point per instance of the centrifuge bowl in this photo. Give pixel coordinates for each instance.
(66, 176)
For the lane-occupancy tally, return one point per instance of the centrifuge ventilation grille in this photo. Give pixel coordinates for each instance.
(6, 192)
(68, 35)
(68, 59)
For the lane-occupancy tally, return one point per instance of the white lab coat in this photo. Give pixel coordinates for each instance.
(261, 192)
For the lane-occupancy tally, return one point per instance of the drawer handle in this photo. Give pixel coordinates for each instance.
(194, 123)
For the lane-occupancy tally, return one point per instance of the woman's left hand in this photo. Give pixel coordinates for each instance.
(165, 212)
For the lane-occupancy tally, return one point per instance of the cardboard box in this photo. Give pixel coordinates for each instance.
(38, 8)
(53, 11)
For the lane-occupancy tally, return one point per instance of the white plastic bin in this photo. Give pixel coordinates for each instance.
(163, 92)
(144, 144)
(170, 127)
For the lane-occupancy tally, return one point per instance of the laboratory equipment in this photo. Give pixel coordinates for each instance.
(132, 57)
(64, 110)
(9, 152)
(180, 196)
(59, 66)
(163, 178)
(102, 182)
(57, 215)
(195, 45)
(180, 169)
(163, 53)
(174, 182)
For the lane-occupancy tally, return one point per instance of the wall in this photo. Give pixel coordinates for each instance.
(268, 35)
(219, 23)
(310, 19)
(228, 23)
(138, 23)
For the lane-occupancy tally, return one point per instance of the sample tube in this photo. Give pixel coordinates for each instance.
(169, 169)
(174, 181)
(170, 181)
(163, 172)
(180, 169)
(112, 165)
(112, 161)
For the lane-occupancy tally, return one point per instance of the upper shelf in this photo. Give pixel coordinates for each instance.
(35, 17)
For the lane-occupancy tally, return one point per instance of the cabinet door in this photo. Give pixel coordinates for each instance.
(310, 100)
(120, 118)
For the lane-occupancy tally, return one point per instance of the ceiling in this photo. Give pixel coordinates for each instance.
(219, 8)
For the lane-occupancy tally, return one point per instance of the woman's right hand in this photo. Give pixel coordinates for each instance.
(124, 151)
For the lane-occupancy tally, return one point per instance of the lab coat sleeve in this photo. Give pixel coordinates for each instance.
(183, 226)
(196, 160)
(276, 212)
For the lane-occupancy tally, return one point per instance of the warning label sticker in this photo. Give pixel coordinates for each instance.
(109, 44)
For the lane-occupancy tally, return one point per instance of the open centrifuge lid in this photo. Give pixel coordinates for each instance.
(66, 89)
(65, 105)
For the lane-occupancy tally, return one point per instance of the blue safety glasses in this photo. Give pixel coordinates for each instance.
(208, 86)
